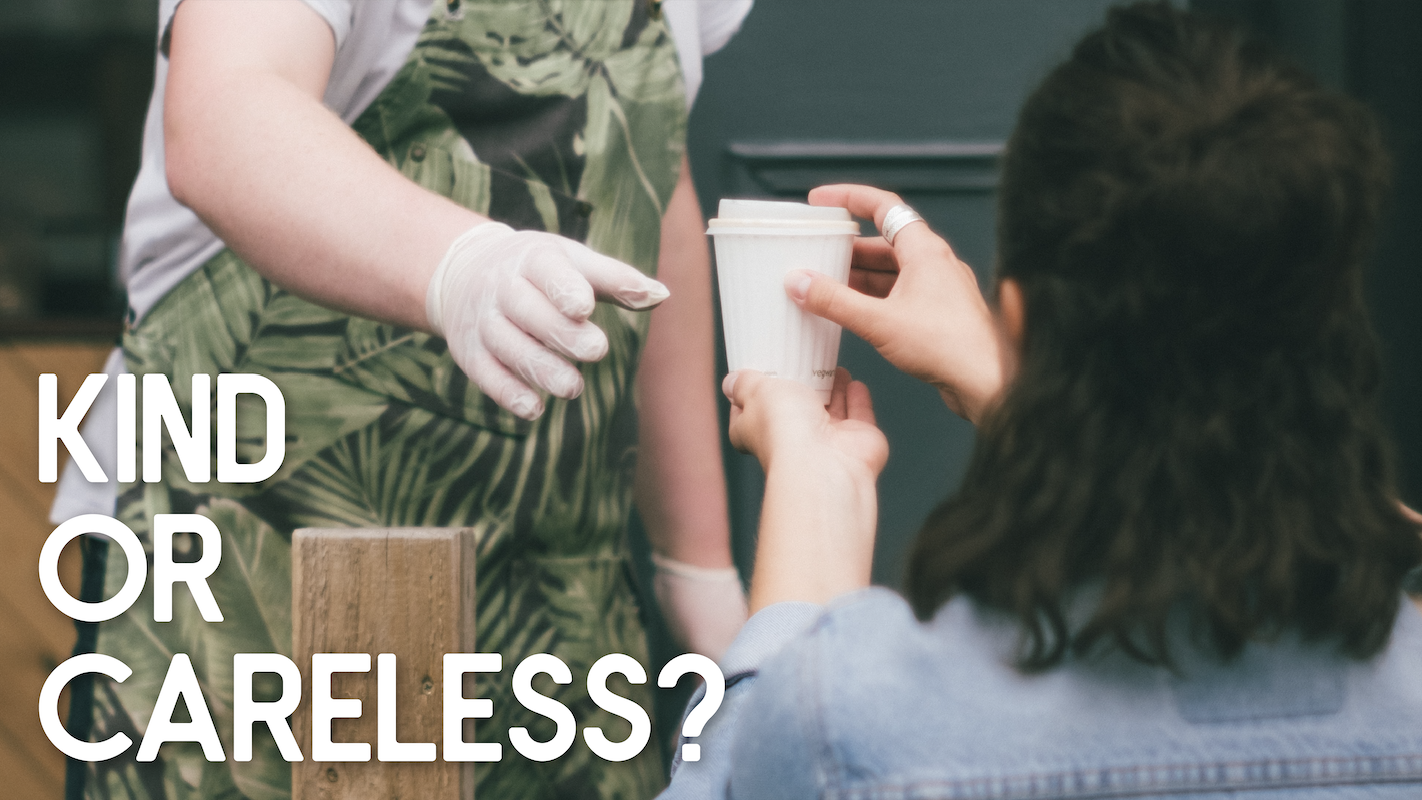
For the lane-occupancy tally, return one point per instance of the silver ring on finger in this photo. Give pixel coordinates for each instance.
(896, 220)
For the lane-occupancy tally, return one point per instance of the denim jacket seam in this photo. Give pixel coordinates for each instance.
(1151, 779)
(828, 769)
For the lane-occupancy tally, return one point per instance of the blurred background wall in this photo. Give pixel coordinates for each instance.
(74, 82)
(919, 95)
(913, 95)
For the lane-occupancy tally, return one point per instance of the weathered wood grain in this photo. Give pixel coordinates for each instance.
(407, 591)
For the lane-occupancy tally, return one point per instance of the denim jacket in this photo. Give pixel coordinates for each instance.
(863, 701)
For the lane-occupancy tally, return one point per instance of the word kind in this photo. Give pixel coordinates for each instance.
(193, 444)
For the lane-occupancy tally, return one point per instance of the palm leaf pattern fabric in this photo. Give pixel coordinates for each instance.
(576, 113)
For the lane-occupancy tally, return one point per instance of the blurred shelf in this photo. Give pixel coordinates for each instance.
(793, 167)
(61, 328)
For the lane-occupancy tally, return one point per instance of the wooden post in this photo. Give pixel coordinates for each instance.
(407, 591)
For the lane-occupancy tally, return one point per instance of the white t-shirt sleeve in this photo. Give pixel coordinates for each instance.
(719, 21)
(700, 28)
(339, 14)
(381, 34)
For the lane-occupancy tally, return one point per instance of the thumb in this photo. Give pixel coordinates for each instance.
(834, 301)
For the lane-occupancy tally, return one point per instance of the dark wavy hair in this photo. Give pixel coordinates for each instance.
(1191, 433)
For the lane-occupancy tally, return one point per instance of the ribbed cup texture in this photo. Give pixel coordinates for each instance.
(764, 330)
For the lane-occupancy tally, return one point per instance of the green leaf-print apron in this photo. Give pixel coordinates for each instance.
(558, 115)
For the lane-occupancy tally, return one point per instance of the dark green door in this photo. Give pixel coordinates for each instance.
(917, 96)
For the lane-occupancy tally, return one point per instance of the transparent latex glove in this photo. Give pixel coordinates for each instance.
(514, 307)
(704, 608)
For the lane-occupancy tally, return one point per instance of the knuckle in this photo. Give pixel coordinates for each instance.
(570, 294)
(755, 387)
(517, 306)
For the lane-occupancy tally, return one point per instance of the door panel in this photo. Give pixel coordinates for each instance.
(917, 96)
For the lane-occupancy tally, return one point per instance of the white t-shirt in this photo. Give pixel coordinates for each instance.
(164, 241)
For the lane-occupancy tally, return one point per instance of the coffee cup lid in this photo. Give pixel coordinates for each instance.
(738, 210)
(783, 227)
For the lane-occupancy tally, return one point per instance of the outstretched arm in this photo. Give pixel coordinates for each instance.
(280, 178)
(289, 187)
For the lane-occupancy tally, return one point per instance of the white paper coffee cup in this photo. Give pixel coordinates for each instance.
(757, 243)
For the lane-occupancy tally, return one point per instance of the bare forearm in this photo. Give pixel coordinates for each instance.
(681, 487)
(816, 533)
(285, 182)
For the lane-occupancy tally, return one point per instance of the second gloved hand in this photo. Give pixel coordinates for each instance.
(514, 307)
(704, 608)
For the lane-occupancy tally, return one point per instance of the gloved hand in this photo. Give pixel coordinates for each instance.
(704, 608)
(513, 305)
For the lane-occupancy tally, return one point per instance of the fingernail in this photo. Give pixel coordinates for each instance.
(526, 406)
(797, 284)
(566, 386)
(573, 303)
(657, 292)
(590, 346)
(728, 386)
(578, 308)
(653, 295)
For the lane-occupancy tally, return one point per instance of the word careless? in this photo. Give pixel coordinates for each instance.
(192, 444)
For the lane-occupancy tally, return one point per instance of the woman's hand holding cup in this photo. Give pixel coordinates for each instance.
(915, 302)
(821, 464)
(778, 420)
